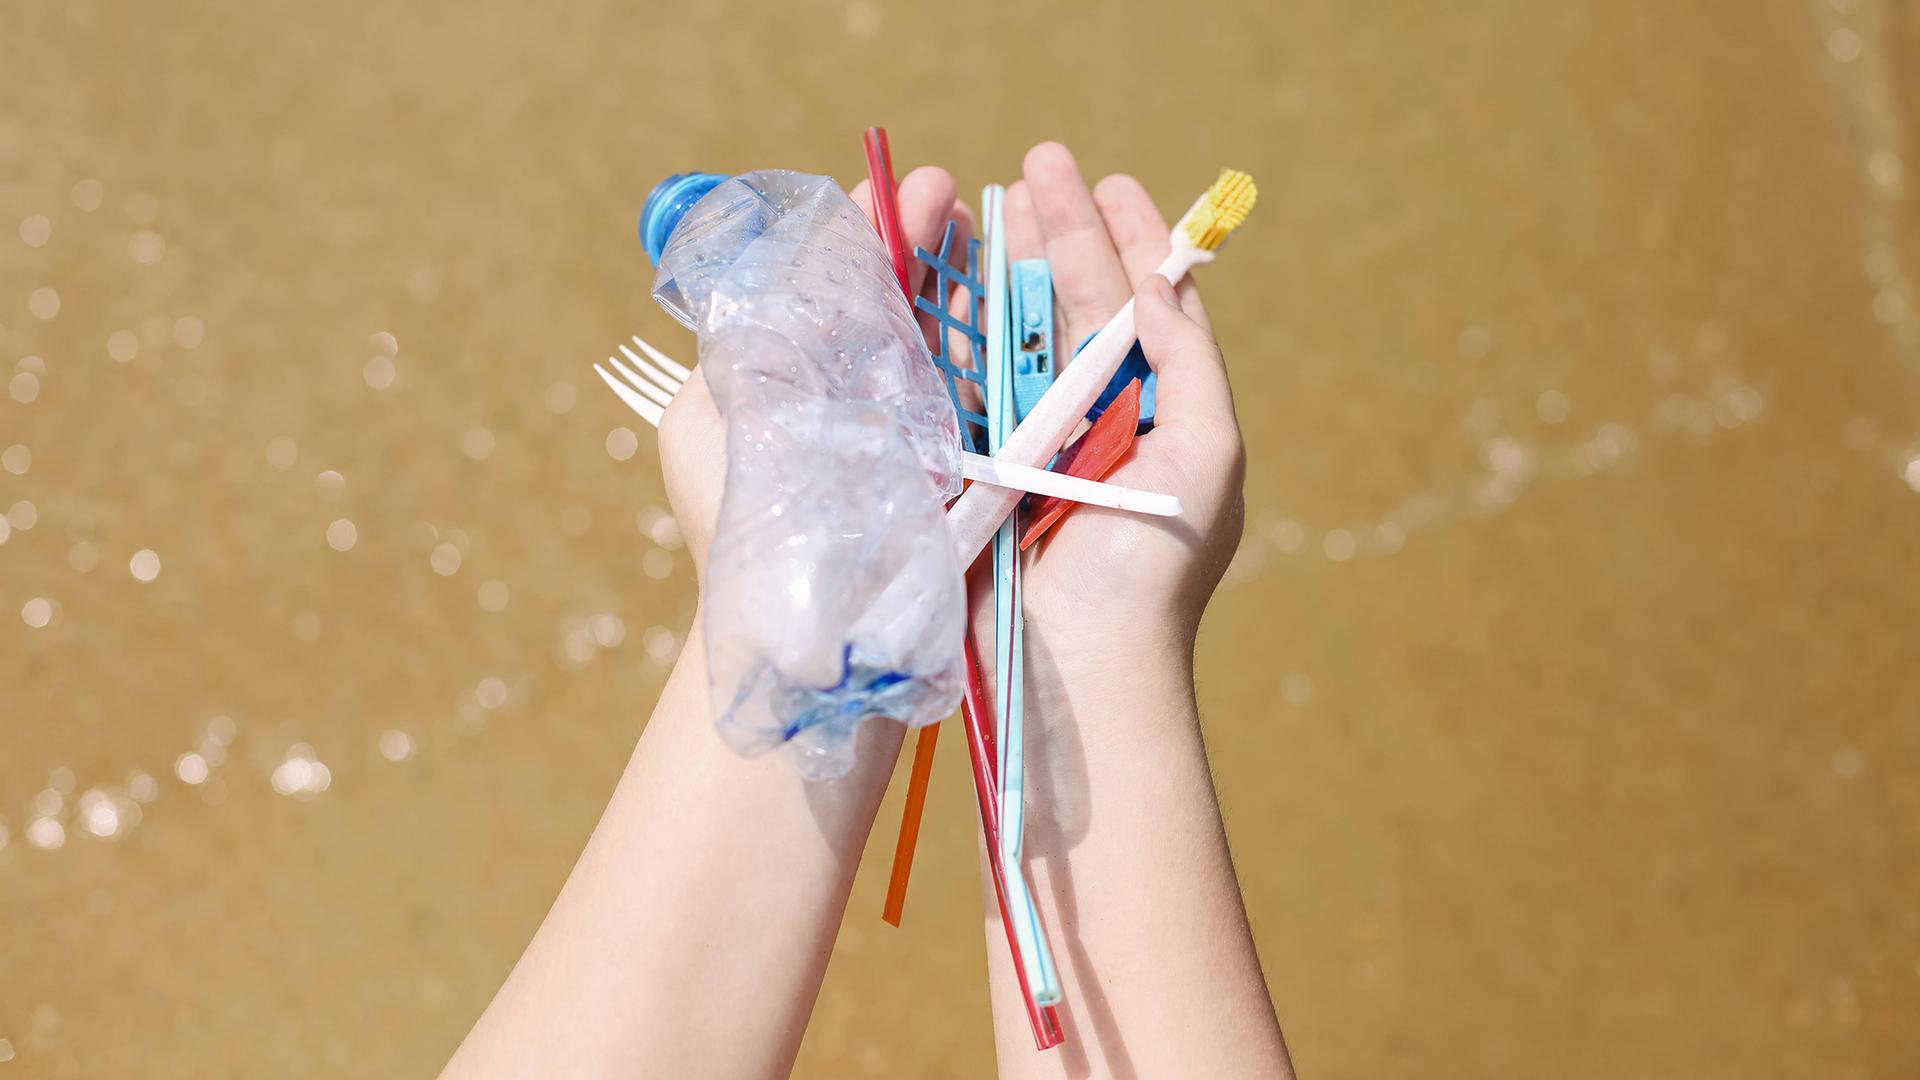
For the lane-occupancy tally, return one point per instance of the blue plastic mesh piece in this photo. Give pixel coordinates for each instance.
(944, 279)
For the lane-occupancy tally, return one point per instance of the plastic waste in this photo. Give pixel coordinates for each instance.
(833, 590)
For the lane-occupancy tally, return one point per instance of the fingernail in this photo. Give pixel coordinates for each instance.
(1164, 289)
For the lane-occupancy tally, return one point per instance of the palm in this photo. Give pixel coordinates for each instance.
(1094, 554)
(1101, 245)
(1095, 565)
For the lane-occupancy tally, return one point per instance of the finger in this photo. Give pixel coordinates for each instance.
(926, 204)
(1193, 392)
(693, 454)
(1022, 222)
(963, 217)
(1141, 236)
(1087, 276)
(1138, 231)
(862, 196)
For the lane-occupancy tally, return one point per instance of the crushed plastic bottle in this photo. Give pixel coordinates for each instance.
(833, 590)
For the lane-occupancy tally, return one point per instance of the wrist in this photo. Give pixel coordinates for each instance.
(1108, 643)
(684, 696)
(1120, 689)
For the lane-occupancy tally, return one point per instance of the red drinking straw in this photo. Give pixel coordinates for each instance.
(886, 204)
(1045, 1020)
(973, 708)
(886, 218)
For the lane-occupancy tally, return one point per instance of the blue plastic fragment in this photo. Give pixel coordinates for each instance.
(862, 690)
(1135, 366)
(944, 278)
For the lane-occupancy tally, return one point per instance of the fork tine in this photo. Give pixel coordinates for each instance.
(653, 371)
(665, 381)
(658, 394)
(649, 411)
(666, 362)
(658, 378)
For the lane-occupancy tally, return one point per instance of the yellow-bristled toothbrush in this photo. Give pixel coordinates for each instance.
(1196, 238)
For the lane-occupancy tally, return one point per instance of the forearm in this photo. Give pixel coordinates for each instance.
(1131, 871)
(693, 933)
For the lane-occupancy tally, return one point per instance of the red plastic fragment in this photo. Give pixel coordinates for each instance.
(1092, 458)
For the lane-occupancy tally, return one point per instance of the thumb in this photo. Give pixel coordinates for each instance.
(1193, 390)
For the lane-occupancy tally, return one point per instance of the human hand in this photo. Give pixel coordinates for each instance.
(1106, 581)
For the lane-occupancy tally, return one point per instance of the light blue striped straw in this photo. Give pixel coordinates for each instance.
(1043, 980)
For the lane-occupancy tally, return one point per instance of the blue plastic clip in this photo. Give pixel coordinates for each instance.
(1031, 294)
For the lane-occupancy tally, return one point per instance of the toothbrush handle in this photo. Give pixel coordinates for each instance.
(978, 513)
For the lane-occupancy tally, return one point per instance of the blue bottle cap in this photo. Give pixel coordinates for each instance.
(669, 202)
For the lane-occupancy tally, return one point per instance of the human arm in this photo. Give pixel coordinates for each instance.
(693, 934)
(1125, 844)
(694, 931)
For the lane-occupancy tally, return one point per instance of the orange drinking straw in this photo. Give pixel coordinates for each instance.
(910, 823)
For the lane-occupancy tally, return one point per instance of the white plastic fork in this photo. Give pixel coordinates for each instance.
(648, 387)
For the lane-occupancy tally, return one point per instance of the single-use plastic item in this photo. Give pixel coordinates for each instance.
(1195, 238)
(1031, 293)
(841, 450)
(1133, 369)
(960, 348)
(1009, 634)
(1090, 458)
(669, 202)
(981, 753)
(886, 203)
(885, 197)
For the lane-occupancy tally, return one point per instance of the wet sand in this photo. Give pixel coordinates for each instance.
(1562, 697)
